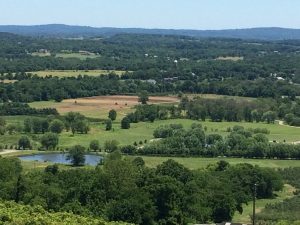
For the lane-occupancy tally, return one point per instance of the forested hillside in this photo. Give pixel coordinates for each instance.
(158, 64)
(61, 30)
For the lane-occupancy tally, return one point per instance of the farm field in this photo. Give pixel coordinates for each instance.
(75, 73)
(99, 106)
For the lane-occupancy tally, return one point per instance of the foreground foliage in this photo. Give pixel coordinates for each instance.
(287, 211)
(16, 214)
(124, 190)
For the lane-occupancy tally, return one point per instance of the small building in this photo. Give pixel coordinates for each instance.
(170, 79)
(151, 81)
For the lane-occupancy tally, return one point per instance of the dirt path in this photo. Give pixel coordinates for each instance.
(7, 152)
(280, 122)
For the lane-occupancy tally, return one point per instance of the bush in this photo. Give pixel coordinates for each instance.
(125, 123)
(94, 145)
(129, 149)
(112, 115)
(108, 124)
(111, 146)
(295, 121)
(2, 130)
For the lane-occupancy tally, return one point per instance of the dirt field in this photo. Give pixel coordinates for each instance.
(99, 106)
(230, 58)
(8, 81)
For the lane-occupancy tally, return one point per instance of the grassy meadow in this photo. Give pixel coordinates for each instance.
(66, 55)
(77, 55)
(195, 163)
(75, 73)
(144, 131)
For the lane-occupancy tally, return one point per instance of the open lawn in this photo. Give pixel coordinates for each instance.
(75, 73)
(144, 131)
(77, 55)
(66, 55)
(200, 163)
(99, 106)
(215, 96)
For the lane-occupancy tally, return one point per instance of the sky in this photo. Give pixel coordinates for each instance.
(173, 14)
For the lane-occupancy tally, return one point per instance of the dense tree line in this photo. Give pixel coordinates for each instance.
(251, 143)
(224, 109)
(259, 110)
(170, 194)
(14, 108)
(43, 89)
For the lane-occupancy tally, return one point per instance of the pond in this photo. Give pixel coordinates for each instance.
(90, 159)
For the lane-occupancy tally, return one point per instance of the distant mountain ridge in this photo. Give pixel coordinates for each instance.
(61, 30)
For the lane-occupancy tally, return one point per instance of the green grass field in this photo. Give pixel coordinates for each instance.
(215, 96)
(66, 55)
(77, 55)
(75, 73)
(144, 131)
(200, 163)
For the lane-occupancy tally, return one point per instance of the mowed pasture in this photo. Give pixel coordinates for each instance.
(66, 55)
(99, 106)
(77, 55)
(75, 73)
(215, 96)
(196, 163)
(144, 131)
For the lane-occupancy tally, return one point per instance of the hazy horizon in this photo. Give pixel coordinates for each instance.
(240, 28)
(154, 14)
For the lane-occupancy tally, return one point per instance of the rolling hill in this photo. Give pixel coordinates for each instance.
(61, 30)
